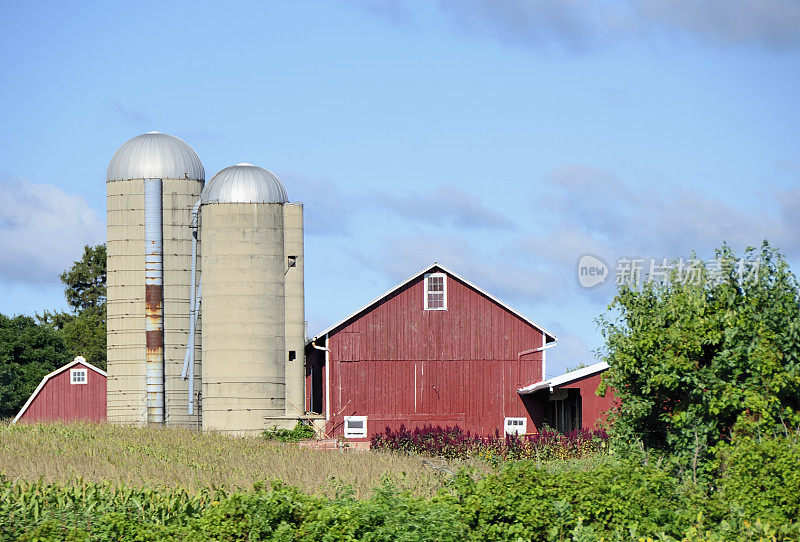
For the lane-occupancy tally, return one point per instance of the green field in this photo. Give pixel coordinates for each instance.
(86, 482)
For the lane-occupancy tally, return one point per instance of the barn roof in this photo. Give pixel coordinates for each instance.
(78, 360)
(566, 378)
(550, 337)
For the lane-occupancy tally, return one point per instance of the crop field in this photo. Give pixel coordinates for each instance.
(179, 457)
(102, 482)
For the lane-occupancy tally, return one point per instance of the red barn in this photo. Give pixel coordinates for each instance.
(569, 401)
(76, 391)
(435, 349)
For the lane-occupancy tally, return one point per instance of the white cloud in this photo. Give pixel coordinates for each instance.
(581, 26)
(773, 23)
(42, 230)
(493, 268)
(331, 211)
(570, 351)
(538, 23)
(327, 209)
(398, 11)
(131, 116)
(443, 205)
(588, 211)
(599, 213)
(790, 218)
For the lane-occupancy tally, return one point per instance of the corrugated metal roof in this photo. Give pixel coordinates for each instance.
(566, 378)
(155, 156)
(244, 183)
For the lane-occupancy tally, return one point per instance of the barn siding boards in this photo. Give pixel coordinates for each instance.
(58, 400)
(398, 364)
(595, 408)
(414, 333)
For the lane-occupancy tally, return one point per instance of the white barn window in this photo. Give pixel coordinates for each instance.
(435, 292)
(77, 376)
(355, 426)
(516, 426)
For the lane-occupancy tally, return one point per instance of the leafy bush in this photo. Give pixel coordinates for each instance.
(298, 433)
(522, 501)
(762, 477)
(695, 361)
(453, 443)
(96, 512)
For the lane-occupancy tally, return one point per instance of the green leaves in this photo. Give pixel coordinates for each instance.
(84, 330)
(85, 281)
(27, 352)
(694, 363)
(296, 434)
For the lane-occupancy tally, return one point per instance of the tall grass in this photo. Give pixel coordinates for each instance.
(184, 458)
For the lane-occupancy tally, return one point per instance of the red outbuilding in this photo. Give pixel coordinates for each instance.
(435, 349)
(570, 401)
(74, 392)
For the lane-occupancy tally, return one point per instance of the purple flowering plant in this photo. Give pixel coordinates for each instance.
(454, 443)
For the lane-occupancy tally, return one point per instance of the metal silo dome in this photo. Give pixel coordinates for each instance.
(155, 156)
(244, 183)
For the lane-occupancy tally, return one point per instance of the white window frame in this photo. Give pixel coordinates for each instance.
(73, 374)
(426, 291)
(355, 432)
(512, 426)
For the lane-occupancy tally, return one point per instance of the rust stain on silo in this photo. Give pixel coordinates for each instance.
(154, 296)
(154, 343)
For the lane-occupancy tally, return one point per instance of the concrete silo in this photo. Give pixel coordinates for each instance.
(295, 310)
(153, 180)
(251, 248)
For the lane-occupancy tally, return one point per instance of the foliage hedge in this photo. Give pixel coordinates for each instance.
(299, 432)
(753, 495)
(695, 362)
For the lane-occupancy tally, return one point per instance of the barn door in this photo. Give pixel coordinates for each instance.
(564, 410)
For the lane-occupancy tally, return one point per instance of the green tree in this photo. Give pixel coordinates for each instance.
(694, 361)
(85, 281)
(84, 328)
(28, 351)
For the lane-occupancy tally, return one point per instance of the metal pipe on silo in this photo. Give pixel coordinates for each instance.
(191, 361)
(154, 300)
(194, 301)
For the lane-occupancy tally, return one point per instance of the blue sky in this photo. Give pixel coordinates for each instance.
(503, 138)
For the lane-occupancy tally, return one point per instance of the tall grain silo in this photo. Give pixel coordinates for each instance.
(295, 310)
(152, 183)
(252, 302)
